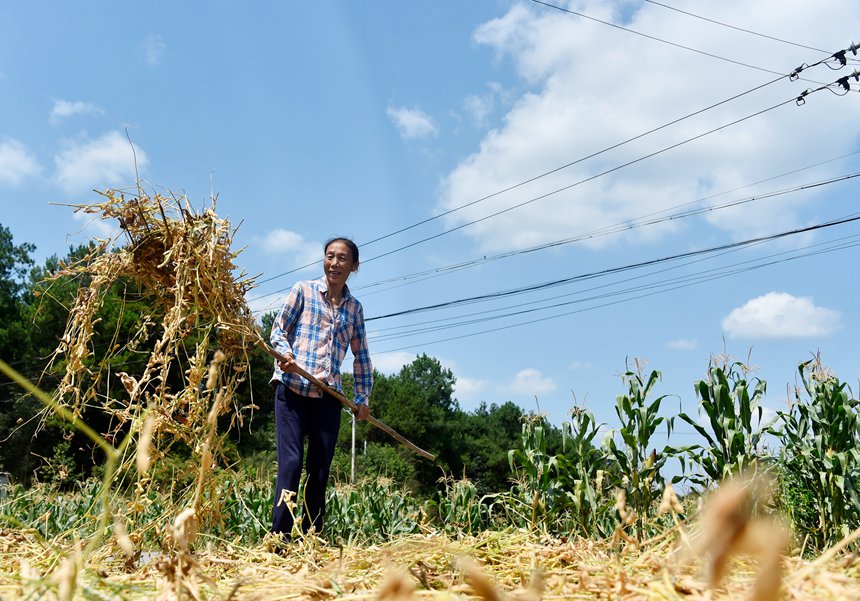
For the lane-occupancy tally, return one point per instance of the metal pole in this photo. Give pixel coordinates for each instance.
(352, 466)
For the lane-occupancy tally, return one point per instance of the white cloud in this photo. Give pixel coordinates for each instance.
(581, 366)
(467, 390)
(411, 123)
(781, 315)
(94, 164)
(17, 163)
(95, 226)
(292, 249)
(390, 363)
(153, 49)
(683, 344)
(480, 107)
(65, 108)
(585, 93)
(532, 382)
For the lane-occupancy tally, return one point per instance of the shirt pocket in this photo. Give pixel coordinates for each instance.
(345, 328)
(315, 317)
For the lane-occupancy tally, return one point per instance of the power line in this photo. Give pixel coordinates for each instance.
(736, 28)
(556, 316)
(532, 179)
(450, 323)
(655, 38)
(536, 177)
(579, 182)
(619, 227)
(601, 286)
(591, 275)
(799, 100)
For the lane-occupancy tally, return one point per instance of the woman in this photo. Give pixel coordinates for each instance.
(318, 321)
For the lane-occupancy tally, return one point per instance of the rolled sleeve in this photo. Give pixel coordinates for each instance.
(362, 368)
(285, 320)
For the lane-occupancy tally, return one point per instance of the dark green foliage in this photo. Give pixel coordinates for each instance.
(15, 349)
(488, 434)
(732, 406)
(375, 460)
(591, 474)
(418, 402)
(44, 314)
(539, 479)
(639, 461)
(821, 455)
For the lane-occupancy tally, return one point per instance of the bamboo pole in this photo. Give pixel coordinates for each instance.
(347, 403)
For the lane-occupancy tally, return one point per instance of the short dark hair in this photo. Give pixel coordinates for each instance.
(353, 247)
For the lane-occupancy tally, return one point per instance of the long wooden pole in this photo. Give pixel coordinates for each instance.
(347, 403)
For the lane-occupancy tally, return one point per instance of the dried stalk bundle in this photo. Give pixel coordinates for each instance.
(192, 340)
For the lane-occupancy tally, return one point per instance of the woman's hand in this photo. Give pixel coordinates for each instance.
(362, 411)
(288, 365)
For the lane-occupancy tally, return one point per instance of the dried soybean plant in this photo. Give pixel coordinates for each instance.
(192, 340)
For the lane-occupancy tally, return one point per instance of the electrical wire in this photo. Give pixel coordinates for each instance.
(580, 182)
(590, 275)
(749, 31)
(655, 38)
(600, 306)
(380, 333)
(481, 317)
(791, 75)
(611, 229)
(421, 276)
(539, 176)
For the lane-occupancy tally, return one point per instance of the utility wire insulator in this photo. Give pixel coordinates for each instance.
(795, 75)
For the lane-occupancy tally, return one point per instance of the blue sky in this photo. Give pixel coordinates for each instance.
(313, 119)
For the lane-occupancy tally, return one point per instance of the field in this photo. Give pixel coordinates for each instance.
(170, 516)
(433, 563)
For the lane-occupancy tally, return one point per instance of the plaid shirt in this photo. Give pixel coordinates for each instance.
(317, 335)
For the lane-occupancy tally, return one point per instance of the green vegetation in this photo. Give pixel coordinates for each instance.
(734, 439)
(498, 466)
(821, 456)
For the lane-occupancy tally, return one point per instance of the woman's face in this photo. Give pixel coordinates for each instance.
(338, 263)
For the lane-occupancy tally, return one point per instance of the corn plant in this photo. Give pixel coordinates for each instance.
(589, 476)
(52, 512)
(820, 451)
(639, 462)
(460, 509)
(538, 490)
(371, 510)
(247, 508)
(734, 439)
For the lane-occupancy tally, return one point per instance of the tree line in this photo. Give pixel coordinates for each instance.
(418, 401)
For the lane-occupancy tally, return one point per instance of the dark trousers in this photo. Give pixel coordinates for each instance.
(297, 416)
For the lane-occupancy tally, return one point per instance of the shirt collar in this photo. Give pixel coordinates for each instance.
(323, 286)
